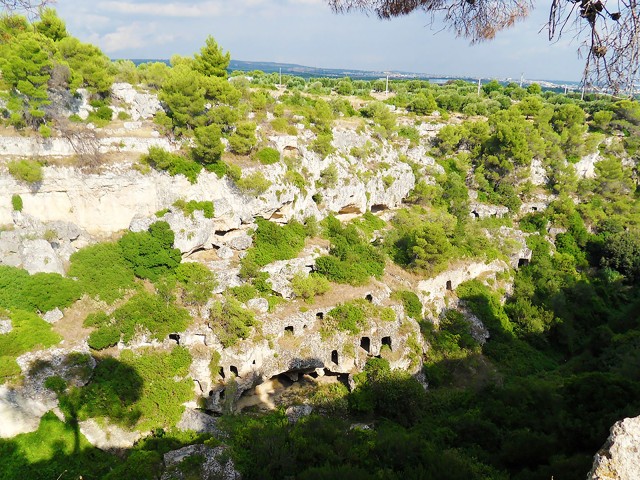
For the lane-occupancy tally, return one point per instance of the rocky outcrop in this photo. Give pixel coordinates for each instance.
(212, 464)
(619, 458)
(35, 146)
(138, 105)
(107, 436)
(21, 247)
(432, 292)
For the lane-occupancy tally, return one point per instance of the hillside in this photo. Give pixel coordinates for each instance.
(205, 276)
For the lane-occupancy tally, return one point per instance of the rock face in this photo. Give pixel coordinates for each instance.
(138, 105)
(619, 458)
(434, 290)
(209, 464)
(58, 240)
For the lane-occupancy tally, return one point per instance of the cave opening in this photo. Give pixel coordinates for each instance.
(365, 344)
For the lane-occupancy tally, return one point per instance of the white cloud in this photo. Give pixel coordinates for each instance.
(187, 10)
(132, 36)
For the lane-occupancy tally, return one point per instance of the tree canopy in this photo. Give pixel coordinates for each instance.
(608, 30)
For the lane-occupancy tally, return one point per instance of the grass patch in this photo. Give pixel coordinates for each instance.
(144, 311)
(141, 391)
(29, 332)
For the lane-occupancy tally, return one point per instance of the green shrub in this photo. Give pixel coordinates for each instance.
(54, 447)
(16, 203)
(348, 317)
(243, 139)
(268, 156)
(254, 184)
(351, 259)
(231, 322)
(29, 171)
(56, 384)
(309, 286)
(44, 131)
(206, 207)
(102, 271)
(105, 337)
(40, 292)
(322, 144)
(273, 242)
(196, 281)
(329, 176)
(29, 332)
(143, 311)
(150, 254)
(411, 303)
(244, 293)
(172, 163)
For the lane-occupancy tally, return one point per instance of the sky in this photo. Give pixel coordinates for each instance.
(306, 32)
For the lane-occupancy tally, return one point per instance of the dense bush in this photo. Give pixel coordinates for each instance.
(351, 259)
(102, 271)
(143, 312)
(29, 331)
(309, 286)
(254, 184)
(206, 207)
(151, 254)
(40, 292)
(231, 322)
(268, 156)
(137, 390)
(411, 303)
(273, 242)
(29, 171)
(173, 163)
(16, 203)
(196, 281)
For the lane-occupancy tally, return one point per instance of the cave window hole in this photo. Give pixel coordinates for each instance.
(221, 372)
(320, 315)
(365, 344)
(369, 298)
(234, 370)
(289, 329)
(175, 337)
(387, 341)
(523, 262)
(334, 357)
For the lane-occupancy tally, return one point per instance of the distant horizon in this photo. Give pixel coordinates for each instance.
(341, 71)
(297, 31)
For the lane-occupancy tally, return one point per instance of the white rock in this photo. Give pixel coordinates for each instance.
(141, 105)
(199, 422)
(39, 256)
(260, 305)
(19, 413)
(5, 326)
(217, 463)
(52, 316)
(619, 458)
(106, 436)
(225, 253)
